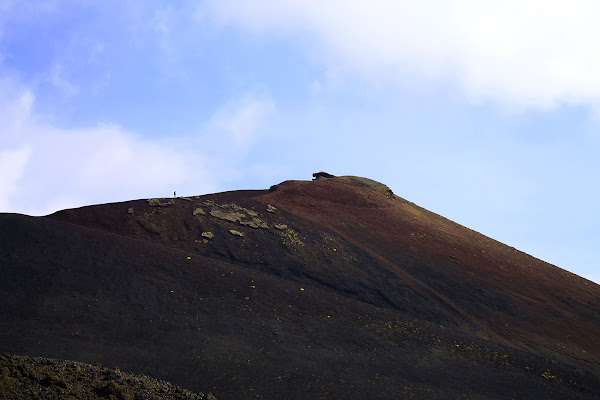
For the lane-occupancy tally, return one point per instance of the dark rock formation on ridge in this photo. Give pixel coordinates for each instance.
(322, 175)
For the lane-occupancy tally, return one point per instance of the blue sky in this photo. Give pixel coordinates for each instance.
(485, 112)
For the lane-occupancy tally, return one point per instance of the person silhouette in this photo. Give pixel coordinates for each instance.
(174, 194)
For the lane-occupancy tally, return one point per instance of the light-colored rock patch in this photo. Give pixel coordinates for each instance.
(270, 208)
(280, 226)
(235, 207)
(236, 233)
(160, 202)
(199, 211)
(237, 214)
(255, 223)
(232, 216)
(208, 235)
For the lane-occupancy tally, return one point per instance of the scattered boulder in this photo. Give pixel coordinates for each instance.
(236, 233)
(270, 208)
(199, 211)
(208, 235)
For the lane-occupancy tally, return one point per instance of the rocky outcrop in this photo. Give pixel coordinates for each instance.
(322, 174)
(46, 378)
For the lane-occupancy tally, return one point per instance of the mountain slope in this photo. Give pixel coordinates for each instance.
(502, 288)
(327, 288)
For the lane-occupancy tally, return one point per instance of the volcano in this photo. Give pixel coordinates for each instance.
(329, 288)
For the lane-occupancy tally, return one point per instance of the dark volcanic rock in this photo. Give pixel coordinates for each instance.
(332, 288)
(322, 175)
(20, 379)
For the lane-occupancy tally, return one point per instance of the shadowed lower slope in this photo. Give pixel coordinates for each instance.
(327, 288)
(24, 378)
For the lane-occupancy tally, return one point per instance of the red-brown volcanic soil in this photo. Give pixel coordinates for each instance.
(332, 288)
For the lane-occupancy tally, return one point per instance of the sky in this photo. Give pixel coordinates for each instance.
(486, 112)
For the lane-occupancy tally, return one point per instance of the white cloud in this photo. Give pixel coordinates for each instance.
(16, 110)
(46, 168)
(242, 119)
(12, 165)
(513, 53)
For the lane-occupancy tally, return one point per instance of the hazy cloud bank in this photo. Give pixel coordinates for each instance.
(515, 54)
(47, 168)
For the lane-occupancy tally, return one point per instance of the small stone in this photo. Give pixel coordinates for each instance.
(130, 210)
(236, 233)
(199, 211)
(280, 226)
(270, 208)
(208, 235)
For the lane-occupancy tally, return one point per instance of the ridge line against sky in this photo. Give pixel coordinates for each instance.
(486, 112)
